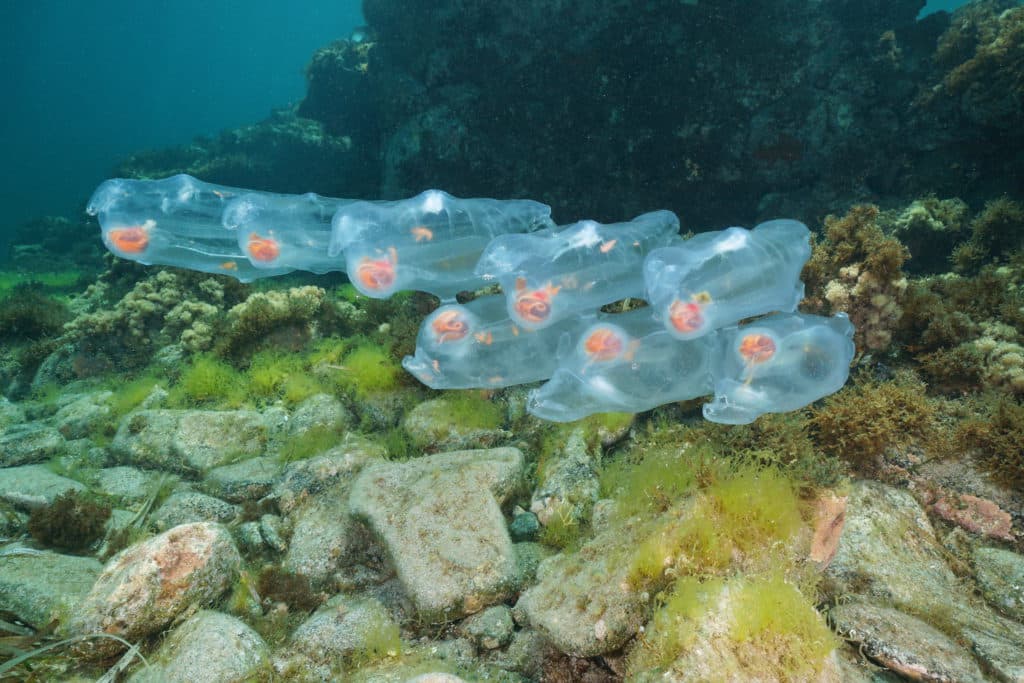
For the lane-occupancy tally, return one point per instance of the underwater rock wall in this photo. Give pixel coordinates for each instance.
(606, 110)
(782, 108)
(724, 112)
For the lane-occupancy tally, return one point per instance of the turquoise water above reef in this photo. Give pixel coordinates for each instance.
(86, 83)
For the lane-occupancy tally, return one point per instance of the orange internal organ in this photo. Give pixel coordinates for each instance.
(263, 249)
(603, 344)
(757, 348)
(131, 239)
(378, 274)
(533, 306)
(686, 316)
(449, 326)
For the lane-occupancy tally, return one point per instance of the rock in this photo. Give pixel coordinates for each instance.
(335, 633)
(321, 411)
(904, 644)
(585, 607)
(208, 646)
(13, 522)
(308, 477)
(440, 521)
(888, 555)
(528, 559)
(723, 644)
(127, 483)
(434, 426)
(976, 515)
(568, 486)
(247, 480)
(32, 486)
(10, 414)
(29, 443)
(39, 586)
(490, 629)
(525, 654)
(1000, 575)
(272, 532)
(84, 415)
(189, 441)
(524, 527)
(143, 588)
(186, 507)
(322, 537)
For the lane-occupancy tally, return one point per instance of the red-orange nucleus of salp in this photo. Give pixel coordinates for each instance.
(533, 306)
(378, 274)
(132, 239)
(603, 344)
(757, 348)
(263, 249)
(686, 316)
(449, 326)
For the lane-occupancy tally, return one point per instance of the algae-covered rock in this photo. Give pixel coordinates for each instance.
(38, 587)
(143, 588)
(84, 415)
(1000, 575)
(583, 602)
(568, 485)
(322, 536)
(29, 443)
(342, 632)
(454, 423)
(490, 629)
(305, 478)
(247, 480)
(320, 411)
(440, 521)
(208, 646)
(189, 441)
(736, 629)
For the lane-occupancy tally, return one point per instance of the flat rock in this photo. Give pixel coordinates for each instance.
(127, 483)
(247, 480)
(28, 443)
(190, 441)
(888, 555)
(904, 644)
(186, 507)
(439, 518)
(39, 586)
(31, 486)
(144, 587)
(208, 646)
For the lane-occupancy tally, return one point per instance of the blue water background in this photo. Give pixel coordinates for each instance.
(85, 83)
